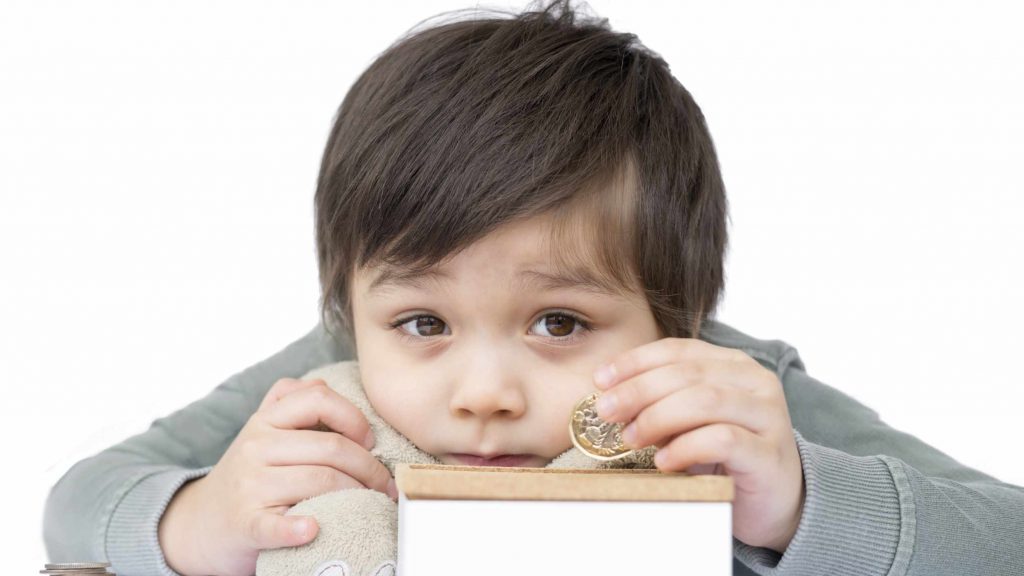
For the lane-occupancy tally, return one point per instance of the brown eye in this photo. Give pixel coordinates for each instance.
(559, 325)
(424, 326)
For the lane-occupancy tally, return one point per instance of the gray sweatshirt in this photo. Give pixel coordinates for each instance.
(878, 501)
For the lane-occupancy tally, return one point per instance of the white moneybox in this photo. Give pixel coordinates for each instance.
(462, 521)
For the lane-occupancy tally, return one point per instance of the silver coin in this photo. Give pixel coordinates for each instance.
(76, 565)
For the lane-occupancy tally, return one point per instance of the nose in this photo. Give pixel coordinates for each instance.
(488, 386)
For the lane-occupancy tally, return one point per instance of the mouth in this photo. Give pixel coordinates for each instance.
(504, 460)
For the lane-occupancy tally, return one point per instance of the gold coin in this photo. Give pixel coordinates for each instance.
(593, 436)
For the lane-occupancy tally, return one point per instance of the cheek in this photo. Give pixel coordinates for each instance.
(402, 400)
(388, 392)
(554, 407)
(383, 377)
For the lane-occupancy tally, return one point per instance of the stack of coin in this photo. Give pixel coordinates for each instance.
(78, 569)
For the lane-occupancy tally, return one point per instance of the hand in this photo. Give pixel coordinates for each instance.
(712, 408)
(219, 523)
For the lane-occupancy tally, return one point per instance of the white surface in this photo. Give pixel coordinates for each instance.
(158, 160)
(502, 537)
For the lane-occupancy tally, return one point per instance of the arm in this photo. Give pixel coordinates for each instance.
(108, 506)
(881, 502)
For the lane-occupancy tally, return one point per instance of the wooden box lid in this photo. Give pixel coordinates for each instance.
(443, 482)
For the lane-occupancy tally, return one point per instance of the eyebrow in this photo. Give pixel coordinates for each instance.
(394, 277)
(576, 279)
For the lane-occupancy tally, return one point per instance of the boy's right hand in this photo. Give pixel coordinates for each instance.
(219, 523)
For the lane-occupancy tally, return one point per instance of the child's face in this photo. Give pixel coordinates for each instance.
(495, 362)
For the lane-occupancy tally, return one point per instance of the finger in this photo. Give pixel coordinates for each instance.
(624, 401)
(690, 408)
(309, 406)
(289, 485)
(659, 353)
(286, 386)
(298, 447)
(272, 530)
(737, 449)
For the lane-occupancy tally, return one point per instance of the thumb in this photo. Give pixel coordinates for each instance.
(303, 528)
(277, 531)
(701, 469)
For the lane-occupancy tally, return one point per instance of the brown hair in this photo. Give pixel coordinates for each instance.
(461, 127)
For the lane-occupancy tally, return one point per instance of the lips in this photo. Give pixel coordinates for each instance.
(505, 460)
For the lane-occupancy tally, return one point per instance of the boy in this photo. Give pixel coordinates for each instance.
(511, 213)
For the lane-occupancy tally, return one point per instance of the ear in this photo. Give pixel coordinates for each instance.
(391, 447)
(341, 568)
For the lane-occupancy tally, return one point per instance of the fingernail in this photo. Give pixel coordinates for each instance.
(392, 489)
(369, 441)
(606, 405)
(629, 435)
(604, 375)
(299, 528)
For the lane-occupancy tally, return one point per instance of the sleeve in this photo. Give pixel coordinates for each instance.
(881, 502)
(108, 506)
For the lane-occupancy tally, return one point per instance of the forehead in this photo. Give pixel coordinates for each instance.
(530, 253)
(387, 278)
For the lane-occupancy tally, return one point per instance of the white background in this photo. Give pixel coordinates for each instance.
(158, 162)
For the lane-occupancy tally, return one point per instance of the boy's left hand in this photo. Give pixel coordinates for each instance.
(703, 405)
